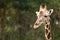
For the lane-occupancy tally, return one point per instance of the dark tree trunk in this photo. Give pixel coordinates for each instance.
(2, 24)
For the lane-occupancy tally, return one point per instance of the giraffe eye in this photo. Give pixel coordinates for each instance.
(45, 16)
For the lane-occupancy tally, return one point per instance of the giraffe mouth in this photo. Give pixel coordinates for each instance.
(36, 26)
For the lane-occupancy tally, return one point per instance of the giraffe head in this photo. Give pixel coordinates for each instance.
(42, 16)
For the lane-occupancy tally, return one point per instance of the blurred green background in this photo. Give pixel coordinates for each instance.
(18, 16)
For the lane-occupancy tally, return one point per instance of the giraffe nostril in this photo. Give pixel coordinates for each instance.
(36, 23)
(46, 23)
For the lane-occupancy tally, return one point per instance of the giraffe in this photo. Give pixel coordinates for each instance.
(43, 17)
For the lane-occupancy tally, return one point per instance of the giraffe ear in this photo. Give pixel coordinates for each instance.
(37, 13)
(50, 11)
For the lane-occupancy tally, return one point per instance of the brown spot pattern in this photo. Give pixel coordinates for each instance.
(46, 31)
(48, 36)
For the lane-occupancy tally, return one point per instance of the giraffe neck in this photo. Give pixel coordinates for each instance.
(47, 31)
